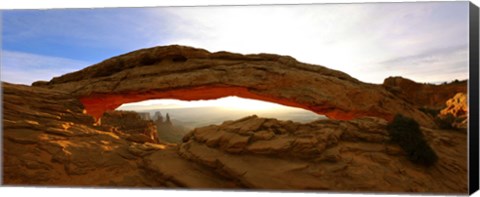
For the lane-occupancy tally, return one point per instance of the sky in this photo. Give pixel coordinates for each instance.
(424, 41)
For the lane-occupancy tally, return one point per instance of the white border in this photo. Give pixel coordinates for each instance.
(49, 4)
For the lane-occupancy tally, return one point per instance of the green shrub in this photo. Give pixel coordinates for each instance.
(406, 132)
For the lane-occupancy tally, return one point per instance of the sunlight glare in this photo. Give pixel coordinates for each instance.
(246, 104)
(231, 102)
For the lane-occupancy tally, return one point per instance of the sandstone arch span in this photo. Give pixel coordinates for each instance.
(188, 73)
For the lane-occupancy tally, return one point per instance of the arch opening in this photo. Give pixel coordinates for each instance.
(174, 118)
(97, 104)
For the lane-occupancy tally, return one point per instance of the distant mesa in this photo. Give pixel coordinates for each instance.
(158, 117)
(166, 130)
(144, 115)
(187, 73)
(141, 127)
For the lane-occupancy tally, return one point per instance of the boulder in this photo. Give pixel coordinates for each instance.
(332, 155)
(456, 112)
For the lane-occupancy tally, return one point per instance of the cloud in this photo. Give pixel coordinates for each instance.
(426, 57)
(357, 39)
(352, 38)
(434, 66)
(25, 68)
(41, 44)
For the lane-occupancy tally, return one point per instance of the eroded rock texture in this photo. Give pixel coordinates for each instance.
(447, 102)
(130, 125)
(456, 111)
(457, 105)
(424, 95)
(324, 155)
(190, 74)
(48, 140)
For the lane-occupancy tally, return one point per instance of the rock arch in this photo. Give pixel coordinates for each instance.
(188, 73)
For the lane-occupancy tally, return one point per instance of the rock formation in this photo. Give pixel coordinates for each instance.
(131, 125)
(49, 140)
(447, 102)
(457, 105)
(456, 111)
(158, 117)
(324, 155)
(187, 73)
(168, 121)
(424, 95)
(144, 115)
(167, 132)
(50, 137)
